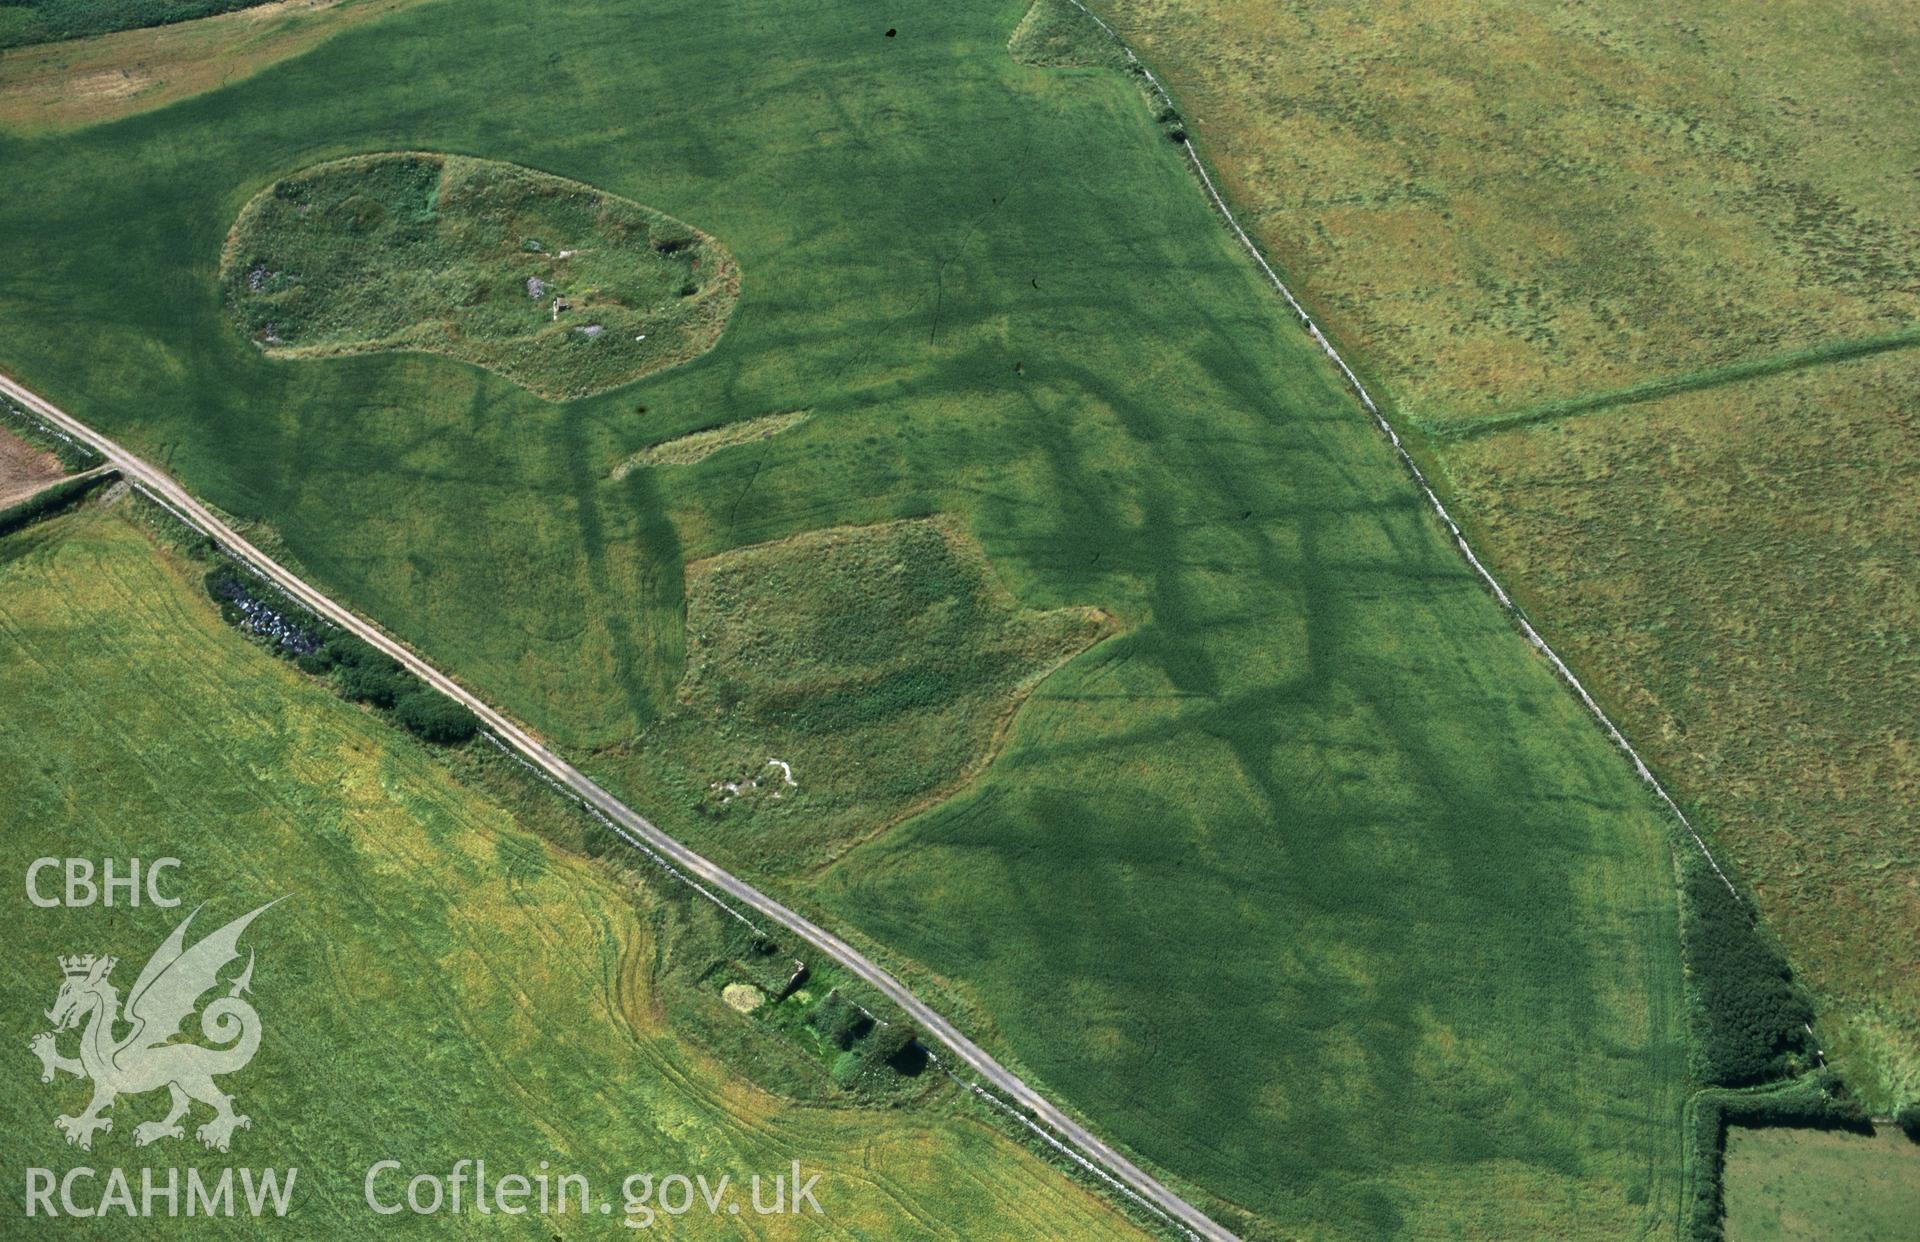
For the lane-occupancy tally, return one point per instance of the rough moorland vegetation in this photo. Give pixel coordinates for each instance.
(838, 680)
(551, 283)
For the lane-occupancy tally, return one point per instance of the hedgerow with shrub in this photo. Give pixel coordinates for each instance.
(1752, 1015)
(46, 502)
(1752, 1041)
(356, 668)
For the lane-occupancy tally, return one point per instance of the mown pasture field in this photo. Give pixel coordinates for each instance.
(438, 983)
(1812, 1185)
(1311, 885)
(1677, 247)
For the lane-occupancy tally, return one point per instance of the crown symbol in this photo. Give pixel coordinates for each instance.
(76, 966)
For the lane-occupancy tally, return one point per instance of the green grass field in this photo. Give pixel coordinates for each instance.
(1310, 886)
(440, 982)
(1813, 1185)
(543, 280)
(1642, 293)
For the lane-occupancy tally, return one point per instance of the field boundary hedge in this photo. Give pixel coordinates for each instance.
(72, 454)
(1816, 1101)
(51, 499)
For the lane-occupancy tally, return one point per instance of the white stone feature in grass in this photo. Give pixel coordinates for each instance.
(743, 997)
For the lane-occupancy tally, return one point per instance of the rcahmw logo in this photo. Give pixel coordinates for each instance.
(146, 1058)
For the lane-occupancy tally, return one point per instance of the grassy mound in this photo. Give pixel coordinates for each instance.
(551, 283)
(839, 680)
(700, 445)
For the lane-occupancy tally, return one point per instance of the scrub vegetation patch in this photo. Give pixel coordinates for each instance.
(557, 286)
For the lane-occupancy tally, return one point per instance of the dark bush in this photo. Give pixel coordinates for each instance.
(375, 684)
(839, 1019)
(1753, 1012)
(355, 652)
(897, 1047)
(433, 716)
(1908, 1119)
(316, 663)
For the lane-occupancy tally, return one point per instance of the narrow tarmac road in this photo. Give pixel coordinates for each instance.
(164, 489)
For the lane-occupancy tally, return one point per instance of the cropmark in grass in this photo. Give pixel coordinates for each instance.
(1310, 887)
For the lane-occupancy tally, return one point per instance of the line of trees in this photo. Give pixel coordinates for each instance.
(368, 675)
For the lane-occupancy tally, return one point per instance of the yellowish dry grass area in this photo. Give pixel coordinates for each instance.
(1497, 204)
(51, 88)
(471, 989)
(1736, 570)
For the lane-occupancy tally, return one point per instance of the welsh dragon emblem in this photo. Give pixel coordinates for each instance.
(144, 1058)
